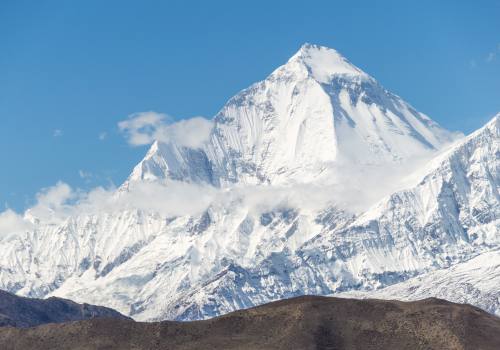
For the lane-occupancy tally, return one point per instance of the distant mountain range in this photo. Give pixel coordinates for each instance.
(300, 323)
(319, 181)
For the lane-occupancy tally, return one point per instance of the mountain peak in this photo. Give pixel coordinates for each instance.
(323, 63)
(314, 111)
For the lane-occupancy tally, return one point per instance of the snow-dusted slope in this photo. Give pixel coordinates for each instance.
(474, 282)
(277, 226)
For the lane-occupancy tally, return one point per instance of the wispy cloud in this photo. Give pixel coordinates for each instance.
(57, 133)
(489, 58)
(102, 136)
(492, 56)
(146, 127)
(85, 175)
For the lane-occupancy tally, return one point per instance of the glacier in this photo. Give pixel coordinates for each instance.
(321, 182)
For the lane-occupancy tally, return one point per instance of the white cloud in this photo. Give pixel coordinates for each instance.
(141, 128)
(55, 196)
(102, 136)
(53, 203)
(147, 127)
(59, 202)
(172, 198)
(11, 223)
(57, 133)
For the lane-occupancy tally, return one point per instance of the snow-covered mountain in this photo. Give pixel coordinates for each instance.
(325, 183)
(450, 216)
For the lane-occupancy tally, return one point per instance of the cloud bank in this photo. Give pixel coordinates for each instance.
(146, 127)
(171, 198)
(346, 186)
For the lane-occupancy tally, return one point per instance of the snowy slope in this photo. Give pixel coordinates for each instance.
(277, 155)
(474, 282)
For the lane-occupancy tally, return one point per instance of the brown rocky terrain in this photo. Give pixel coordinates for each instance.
(299, 323)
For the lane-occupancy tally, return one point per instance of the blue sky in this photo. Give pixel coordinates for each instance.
(70, 71)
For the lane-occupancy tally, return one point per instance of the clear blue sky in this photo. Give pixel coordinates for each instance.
(70, 70)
